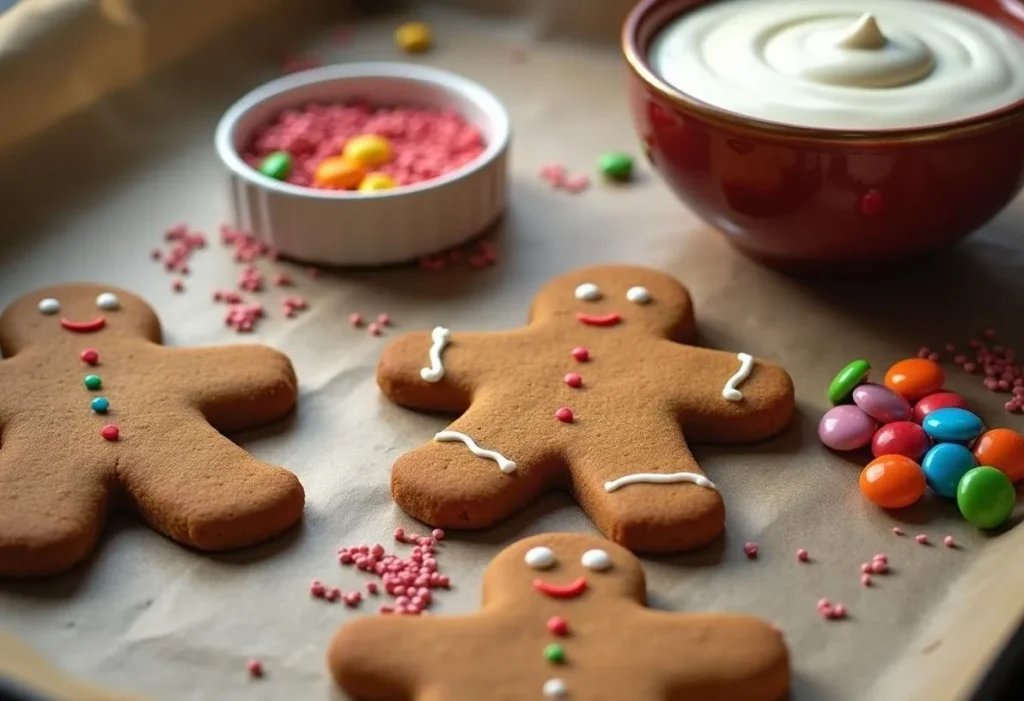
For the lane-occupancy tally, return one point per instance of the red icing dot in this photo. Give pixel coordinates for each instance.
(573, 379)
(90, 356)
(581, 354)
(110, 432)
(871, 203)
(558, 625)
(564, 414)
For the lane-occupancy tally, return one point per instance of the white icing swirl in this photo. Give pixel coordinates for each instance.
(849, 64)
(730, 392)
(659, 478)
(439, 338)
(504, 464)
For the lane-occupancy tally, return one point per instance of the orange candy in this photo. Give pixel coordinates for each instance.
(915, 378)
(338, 173)
(1003, 449)
(892, 481)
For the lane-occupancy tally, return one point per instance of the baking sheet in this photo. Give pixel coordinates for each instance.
(90, 197)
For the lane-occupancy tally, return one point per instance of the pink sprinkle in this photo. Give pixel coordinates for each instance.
(1013, 406)
(934, 357)
(333, 594)
(750, 549)
(574, 380)
(255, 668)
(564, 414)
(802, 555)
(839, 611)
(577, 184)
(313, 272)
(921, 538)
(437, 534)
(970, 368)
(282, 280)
(865, 580)
(879, 567)
(923, 351)
(156, 254)
(896, 530)
(824, 603)
(960, 359)
(384, 608)
(355, 319)
(371, 588)
(374, 329)
(383, 319)
(865, 568)
(353, 598)
(881, 557)
(316, 588)
(177, 284)
(950, 348)
(949, 542)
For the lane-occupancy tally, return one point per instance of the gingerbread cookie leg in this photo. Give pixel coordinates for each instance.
(474, 473)
(644, 489)
(197, 487)
(50, 518)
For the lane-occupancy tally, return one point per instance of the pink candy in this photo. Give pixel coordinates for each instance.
(750, 550)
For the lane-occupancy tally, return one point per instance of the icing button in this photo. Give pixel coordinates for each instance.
(555, 689)
(90, 356)
(558, 626)
(554, 653)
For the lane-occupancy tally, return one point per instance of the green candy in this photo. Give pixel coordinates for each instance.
(846, 381)
(554, 653)
(277, 165)
(93, 382)
(616, 166)
(986, 497)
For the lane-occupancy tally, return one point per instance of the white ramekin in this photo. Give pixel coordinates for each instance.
(367, 229)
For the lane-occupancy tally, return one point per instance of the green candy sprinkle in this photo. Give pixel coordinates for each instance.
(616, 166)
(554, 653)
(846, 381)
(93, 382)
(986, 497)
(277, 165)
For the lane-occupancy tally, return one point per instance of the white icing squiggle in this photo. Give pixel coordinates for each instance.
(746, 365)
(504, 464)
(659, 478)
(439, 337)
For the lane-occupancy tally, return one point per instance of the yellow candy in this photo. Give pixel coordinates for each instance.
(375, 182)
(338, 173)
(368, 150)
(413, 37)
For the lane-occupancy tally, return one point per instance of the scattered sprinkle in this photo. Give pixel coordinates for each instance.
(383, 319)
(374, 329)
(316, 588)
(865, 580)
(921, 538)
(178, 285)
(949, 542)
(879, 567)
(356, 319)
(333, 594)
(750, 550)
(282, 280)
(896, 530)
(802, 555)
(437, 534)
(255, 668)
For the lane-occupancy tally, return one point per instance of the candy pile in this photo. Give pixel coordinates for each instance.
(362, 148)
(921, 437)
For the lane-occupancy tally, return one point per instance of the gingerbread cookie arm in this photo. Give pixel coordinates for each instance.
(235, 387)
(727, 397)
(382, 658)
(194, 485)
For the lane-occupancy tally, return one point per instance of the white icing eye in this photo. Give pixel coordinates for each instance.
(597, 560)
(49, 306)
(108, 301)
(638, 295)
(588, 292)
(541, 558)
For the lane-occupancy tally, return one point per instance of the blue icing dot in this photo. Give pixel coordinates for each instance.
(100, 405)
(953, 424)
(944, 465)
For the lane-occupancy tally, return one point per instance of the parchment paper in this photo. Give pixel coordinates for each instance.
(88, 198)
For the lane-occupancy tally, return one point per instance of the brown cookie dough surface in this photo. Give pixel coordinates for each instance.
(563, 617)
(606, 344)
(63, 464)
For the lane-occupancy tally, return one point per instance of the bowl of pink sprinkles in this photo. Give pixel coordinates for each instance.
(444, 171)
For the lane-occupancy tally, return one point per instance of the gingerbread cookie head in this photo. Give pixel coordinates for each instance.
(75, 313)
(619, 297)
(563, 567)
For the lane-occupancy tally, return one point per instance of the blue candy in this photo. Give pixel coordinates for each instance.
(953, 424)
(944, 465)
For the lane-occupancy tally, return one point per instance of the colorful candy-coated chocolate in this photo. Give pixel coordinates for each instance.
(846, 427)
(953, 424)
(376, 182)
(277, 165)
(413, 37)
(944, 465)
(1003, 449)
(615, 166)
(901, 438)
(986, 497)
(338, 173)
(939, 400)
(367, 151)
(843, 384)
(881, 403)
(915, 378)
(892, 481)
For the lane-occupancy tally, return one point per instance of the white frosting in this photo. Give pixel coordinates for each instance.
(597, 560)
(49, 306)
(846, 64)
(439, 339)
(746, 365)
(108, 301)
(504, 464)
(588, 292)
(555, 689)
(540, 558)
(659, 478)
(638, 295)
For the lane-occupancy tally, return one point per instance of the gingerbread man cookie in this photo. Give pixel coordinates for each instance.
(94, 408)
(594, 396)
(563, 617)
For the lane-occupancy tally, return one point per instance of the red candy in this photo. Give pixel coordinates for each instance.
(110, 432)
(901, 438)
(558, 625)
(939, 400)
(564, 414)
(581, 354)
(90, 356)
(573, 379)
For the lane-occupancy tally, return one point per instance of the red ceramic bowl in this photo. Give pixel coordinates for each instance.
(798, 197)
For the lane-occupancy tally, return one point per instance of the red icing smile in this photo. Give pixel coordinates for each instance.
(567, 591)
(84, 326)
(606, 320)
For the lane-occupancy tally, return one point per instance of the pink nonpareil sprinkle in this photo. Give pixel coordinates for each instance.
(356, 319)
(374, 329)
(949, 542)
(317, 589)
(865, 580)
(896, 530)
(313, 272)
(838, 612)
(333, 594)
(437, 534)
(934, 357)
(383, 319)
(750, 550)
(921, 538)
(254, 668)
(802, 555)
(371, 588)
(577, 184)
(823, 604)
(879, 567)
(178, 285)
(881, 557)
(865, 568)
(282, 280)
